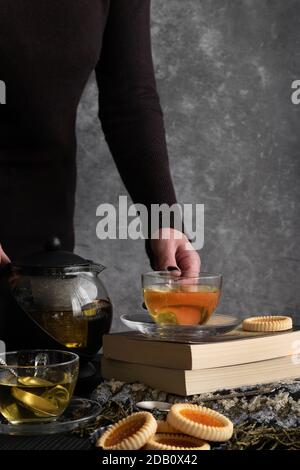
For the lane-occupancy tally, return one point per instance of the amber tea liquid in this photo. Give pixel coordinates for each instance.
(181, 304)
(77, 331)
(31, 399)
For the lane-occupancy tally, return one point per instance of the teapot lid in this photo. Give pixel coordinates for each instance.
(53, 258)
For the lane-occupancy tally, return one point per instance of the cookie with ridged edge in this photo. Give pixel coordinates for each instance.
(130, 433)
(268, 323)
(165, 427)
(200, 422)
(171, 441)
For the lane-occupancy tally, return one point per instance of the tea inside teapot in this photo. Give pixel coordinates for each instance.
(74, 330)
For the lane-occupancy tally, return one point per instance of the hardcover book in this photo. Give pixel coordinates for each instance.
(237, 347)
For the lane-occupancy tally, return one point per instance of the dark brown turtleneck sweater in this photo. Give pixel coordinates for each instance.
(48, 50)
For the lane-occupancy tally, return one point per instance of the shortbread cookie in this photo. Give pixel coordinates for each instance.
(200, 422)
(130, 433)
(268, 323)
(165, 441)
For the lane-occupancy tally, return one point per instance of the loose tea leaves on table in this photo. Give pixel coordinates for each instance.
(257, 437)
(260, 422)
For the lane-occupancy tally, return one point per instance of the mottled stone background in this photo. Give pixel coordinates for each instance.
(224, 71)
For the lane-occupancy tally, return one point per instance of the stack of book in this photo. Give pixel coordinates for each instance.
(237, 359)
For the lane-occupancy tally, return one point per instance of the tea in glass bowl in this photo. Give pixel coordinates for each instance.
(181, 300)
(36, 385)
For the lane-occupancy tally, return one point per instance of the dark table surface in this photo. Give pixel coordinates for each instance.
(272, 409)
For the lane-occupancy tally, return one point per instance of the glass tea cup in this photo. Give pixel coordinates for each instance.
(172, 299)
(36, 385)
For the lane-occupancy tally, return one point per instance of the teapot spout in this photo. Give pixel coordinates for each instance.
(98, 267)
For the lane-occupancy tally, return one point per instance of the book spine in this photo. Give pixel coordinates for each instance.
(171, 382)
(152, 353)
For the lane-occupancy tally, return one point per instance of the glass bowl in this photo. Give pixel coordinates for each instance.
(37, 385)
(172, 299)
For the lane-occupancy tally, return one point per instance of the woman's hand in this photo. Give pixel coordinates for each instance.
(170, 253)
(4, 259)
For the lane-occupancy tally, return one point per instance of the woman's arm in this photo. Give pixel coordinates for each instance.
(129, 107)
(130, 111)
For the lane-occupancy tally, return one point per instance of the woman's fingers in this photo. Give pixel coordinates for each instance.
(173, 252)
(188, 260)
(4, 259)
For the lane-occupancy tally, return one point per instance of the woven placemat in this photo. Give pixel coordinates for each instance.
(54, 442)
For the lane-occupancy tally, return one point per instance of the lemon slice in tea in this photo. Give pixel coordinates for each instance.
(166, 318)
(35, 403)
(58, 395)
(11, 412)
(34, 382)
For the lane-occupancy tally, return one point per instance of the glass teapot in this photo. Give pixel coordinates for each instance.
(63, 294)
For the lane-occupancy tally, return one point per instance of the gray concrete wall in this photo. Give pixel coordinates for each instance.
(224, 71)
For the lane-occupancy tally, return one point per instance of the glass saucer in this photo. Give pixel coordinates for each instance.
(217, 325)
(80, 412)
